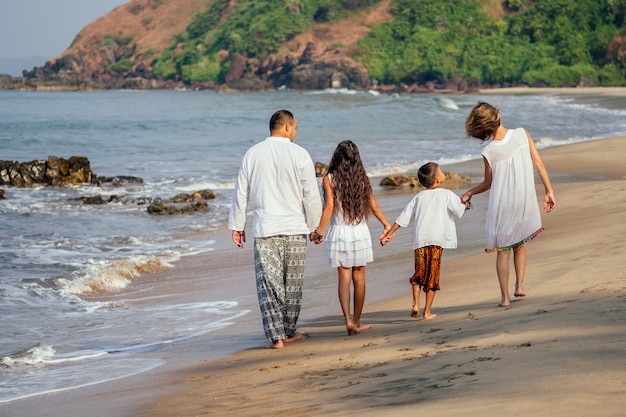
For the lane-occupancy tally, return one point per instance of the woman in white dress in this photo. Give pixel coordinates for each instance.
(513, 215)
(348, 202)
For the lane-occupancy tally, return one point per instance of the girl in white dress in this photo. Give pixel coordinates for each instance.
(513, 215)
(348, 203)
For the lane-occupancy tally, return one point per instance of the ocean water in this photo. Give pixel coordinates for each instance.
(61, 259)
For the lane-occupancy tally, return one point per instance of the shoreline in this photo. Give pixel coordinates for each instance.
(611, 91)
(315, 375)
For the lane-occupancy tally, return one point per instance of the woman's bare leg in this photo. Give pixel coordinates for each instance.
(519, 260)
(502, 268)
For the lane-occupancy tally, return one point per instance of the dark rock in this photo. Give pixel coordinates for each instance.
(399, 180)
(160, 208)
(2, 197)
(206, 194)
(119, 180)
(454, 180)
(95, 200)
(54, 171)
(182, 198)
(320, 169)
(6, 81)
(307, 73)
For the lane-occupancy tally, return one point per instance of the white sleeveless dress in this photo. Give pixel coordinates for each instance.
(347, 245)
(513, 216)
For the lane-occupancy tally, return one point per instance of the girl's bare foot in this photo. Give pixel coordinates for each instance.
(519, 291)
(415, 312)
(363, 327)
(350, 327)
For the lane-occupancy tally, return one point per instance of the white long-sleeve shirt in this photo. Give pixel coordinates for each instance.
(433, 212)
(277, 178)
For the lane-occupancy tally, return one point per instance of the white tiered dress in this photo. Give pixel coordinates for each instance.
(347, 245)
(513, 215)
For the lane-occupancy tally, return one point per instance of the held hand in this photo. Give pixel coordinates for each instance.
(316, 237)
(466, 201)
(383, 237)
(239, 238)
(386, 236)
(549, 202)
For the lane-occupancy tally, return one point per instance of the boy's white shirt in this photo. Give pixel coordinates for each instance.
(433, 214)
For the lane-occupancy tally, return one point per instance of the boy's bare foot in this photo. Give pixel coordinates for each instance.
(415, 311)
(296, 337)
(504, 304)
(429, 316)
(519, 291)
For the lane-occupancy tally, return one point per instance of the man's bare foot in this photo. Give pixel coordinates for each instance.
(519, 291)
(296, 337)
(276, 345)
(504, 304)
(429, 316)
(415, 311)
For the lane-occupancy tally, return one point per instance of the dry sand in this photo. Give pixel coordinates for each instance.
(560, 351)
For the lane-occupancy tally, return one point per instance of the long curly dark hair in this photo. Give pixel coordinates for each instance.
(351, 186)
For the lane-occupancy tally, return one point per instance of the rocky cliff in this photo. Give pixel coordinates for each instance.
(119, 49)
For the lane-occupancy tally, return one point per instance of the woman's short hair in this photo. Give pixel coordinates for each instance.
(483, 121)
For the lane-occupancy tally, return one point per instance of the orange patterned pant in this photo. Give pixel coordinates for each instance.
(427, 268)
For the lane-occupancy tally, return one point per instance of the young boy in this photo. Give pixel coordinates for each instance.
(433, 210)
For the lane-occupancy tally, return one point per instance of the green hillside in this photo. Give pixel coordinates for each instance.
(549, 42)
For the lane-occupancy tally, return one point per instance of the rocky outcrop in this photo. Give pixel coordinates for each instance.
(179, 204)
(6, 81)
(453, 180)
(53, 171)
(160, 208)
(71, 73)
(399, 180)
(308, 72)
(76, 170)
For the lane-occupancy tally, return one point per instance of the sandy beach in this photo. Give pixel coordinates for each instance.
(559, 351)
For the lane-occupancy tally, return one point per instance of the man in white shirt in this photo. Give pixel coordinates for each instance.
(277, 178)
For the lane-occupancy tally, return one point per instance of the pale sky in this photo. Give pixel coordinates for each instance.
(46, 28)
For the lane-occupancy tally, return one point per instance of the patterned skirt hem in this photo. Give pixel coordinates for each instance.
(515, 245)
